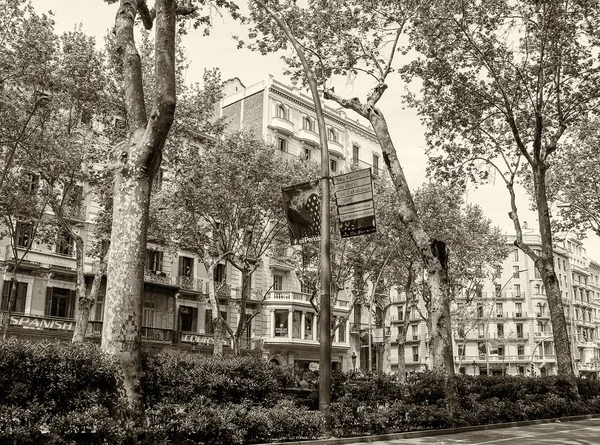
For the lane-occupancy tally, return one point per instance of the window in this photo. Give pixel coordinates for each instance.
(415, 332)
(277, 282)
(355, 152)
(148, 315)
(479, 311)
(500, 330)
(415, 353)
(154, 260)
(99, 311)
(497, 290)
(461, 330)
(19, 303)
(209, 326)
(518, 309)
(308, 326)
(516, 255)
(307, 123)
(481, 331)
(186, 266)
(499, 310)
(219, 273)
(64, 244)
(24, 232)
(281, 112)
(281, 323)
(519, 330)
(500, 351)
(375, 164)
(282, 144)
(187, 318)
(481, 349)
(305, 287)
(516, 271)
(331, 135)
(296, 324)
(342, 330)
(333, 165)
(307, 153)
(461, 350)
(517, 290)
(400, 313)
(60, 302)
(520, 350)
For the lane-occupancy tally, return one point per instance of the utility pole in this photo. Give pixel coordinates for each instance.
(325, 294)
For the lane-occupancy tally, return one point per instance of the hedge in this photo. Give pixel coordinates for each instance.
(61, 393)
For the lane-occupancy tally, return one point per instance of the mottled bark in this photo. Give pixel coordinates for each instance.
(134, 164)
(86, 301)
(433, 252)
(84, 306)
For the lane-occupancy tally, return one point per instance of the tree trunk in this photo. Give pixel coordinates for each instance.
(216, 314)
(545, 265)
(121, 330)
(135, 164)
(433, 254)
(86, 302)
(82, 315)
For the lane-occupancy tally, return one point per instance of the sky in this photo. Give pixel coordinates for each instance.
(220, 50)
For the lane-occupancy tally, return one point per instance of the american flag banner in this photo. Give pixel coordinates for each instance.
(302, 207)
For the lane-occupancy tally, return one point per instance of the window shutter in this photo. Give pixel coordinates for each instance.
(70, 303)
(181, 271)
(48, 300)
(5, 295)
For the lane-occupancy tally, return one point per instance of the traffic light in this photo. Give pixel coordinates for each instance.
(532, 370)
(584, 335)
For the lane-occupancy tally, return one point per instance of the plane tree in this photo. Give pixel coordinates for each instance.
(224, 204)
(135, 161)
(503, 85)
(361, 39)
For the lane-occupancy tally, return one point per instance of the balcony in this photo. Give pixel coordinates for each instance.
(192, 284)
(335, 148)
(282, 125)
(155, 276)
(40, 257)
(309, 137)
(157, 335)
(279, 295)
(75, 212)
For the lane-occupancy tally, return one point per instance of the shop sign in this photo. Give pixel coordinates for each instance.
(29, 322)
(198, 339)
(313, 366)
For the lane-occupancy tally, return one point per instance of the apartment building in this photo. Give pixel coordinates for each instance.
(507, 327)
(285, 116)
(176, 311)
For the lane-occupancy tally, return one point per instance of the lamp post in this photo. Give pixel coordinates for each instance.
(353, 357)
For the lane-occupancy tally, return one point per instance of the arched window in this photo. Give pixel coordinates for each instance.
(331, 135)
(307, 123)
(281, 111)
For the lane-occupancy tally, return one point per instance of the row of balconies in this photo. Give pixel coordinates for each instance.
(480, 359)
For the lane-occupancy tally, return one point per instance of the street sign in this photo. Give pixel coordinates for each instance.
(354, 199)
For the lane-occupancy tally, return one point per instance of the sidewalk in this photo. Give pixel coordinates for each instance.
(427, 433)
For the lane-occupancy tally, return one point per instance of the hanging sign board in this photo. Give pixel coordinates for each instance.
(302, 207)
(354, 199)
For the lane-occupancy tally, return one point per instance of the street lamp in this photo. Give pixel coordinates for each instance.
(353, 357)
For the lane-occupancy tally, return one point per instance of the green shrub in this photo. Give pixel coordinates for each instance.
(177, 377)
